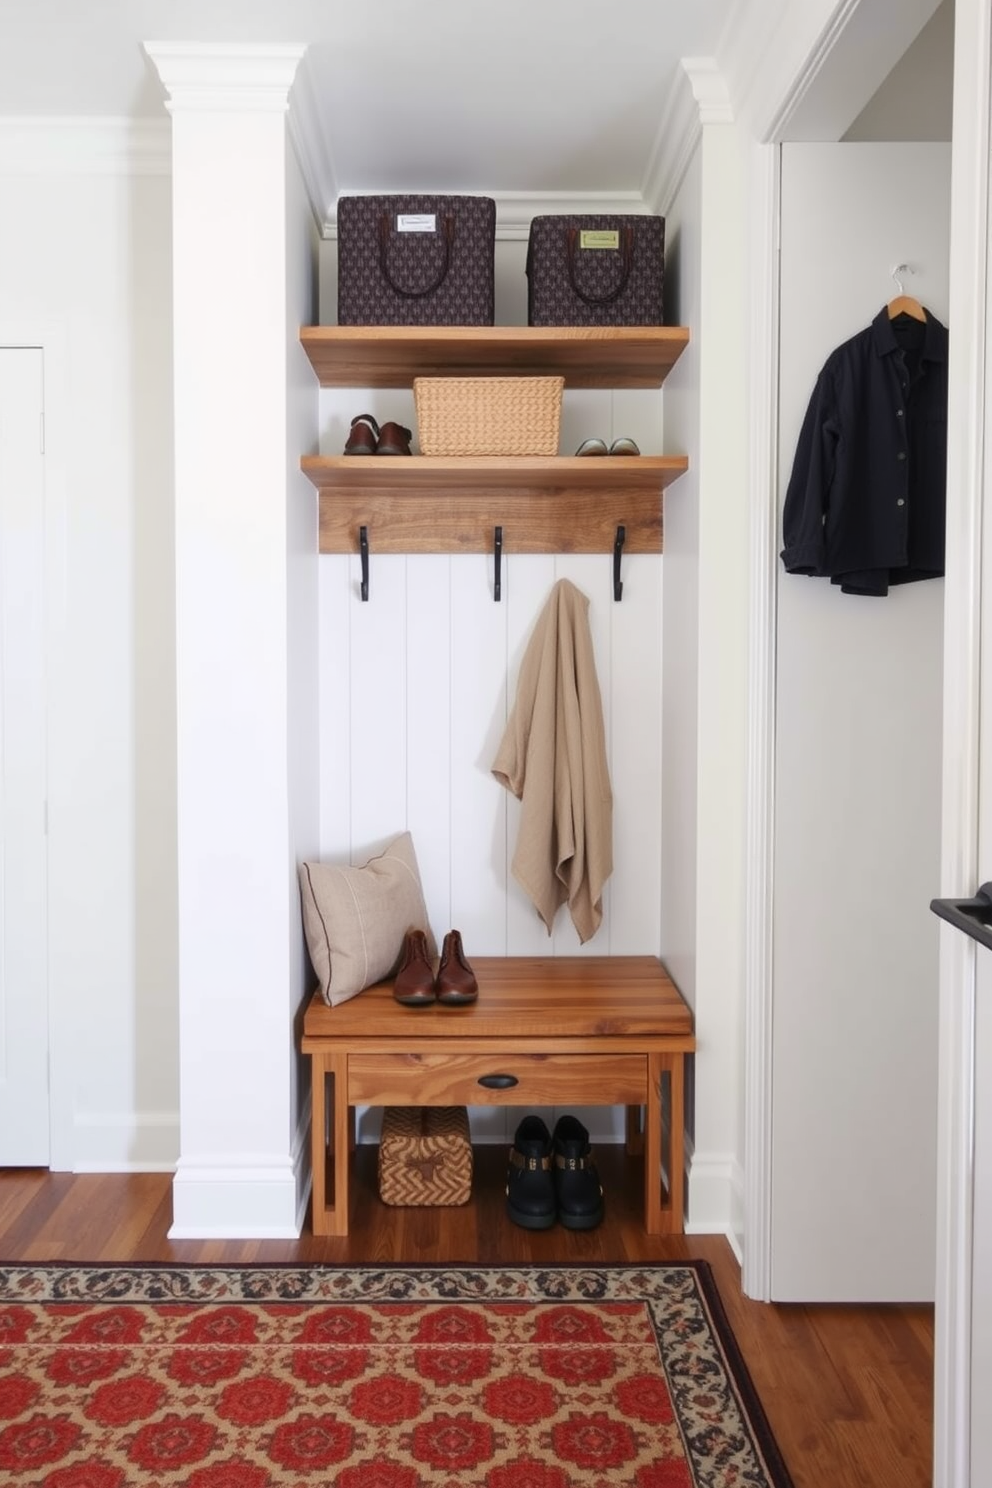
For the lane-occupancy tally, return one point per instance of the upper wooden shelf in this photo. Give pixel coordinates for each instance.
(586, 356)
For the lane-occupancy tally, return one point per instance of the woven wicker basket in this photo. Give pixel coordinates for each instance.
(488, 415)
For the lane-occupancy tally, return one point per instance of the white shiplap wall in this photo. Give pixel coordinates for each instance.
(415, 690)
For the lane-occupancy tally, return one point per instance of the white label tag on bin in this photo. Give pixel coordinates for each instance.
(416, 222)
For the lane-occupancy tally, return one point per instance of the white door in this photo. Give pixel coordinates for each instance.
(24, 1096)
(857, 789)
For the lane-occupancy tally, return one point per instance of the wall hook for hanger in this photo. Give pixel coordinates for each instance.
(498, 558)
(899, 272)
(617, 554)
(363, 548)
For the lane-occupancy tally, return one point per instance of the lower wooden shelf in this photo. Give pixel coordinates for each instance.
(551, 504)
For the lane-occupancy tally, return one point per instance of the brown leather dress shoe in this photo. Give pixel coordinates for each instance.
(364, 435)
(455, 978)
(414, 984)
(394, 439)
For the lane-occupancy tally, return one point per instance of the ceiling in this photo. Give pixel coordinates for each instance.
(516, 98)
(519, 96)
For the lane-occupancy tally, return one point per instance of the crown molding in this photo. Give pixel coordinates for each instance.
(516, 209)
(85, 146)
(218, 77)
(699, 96)
(311, 145)
(772, 52)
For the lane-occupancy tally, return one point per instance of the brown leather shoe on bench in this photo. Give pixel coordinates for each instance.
(456, 981)
(414, 984)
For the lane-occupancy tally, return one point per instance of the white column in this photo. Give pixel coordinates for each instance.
(228, 105)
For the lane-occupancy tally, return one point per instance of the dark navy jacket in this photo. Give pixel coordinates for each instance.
(865, 502)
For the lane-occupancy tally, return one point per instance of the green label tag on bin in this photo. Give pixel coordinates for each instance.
(599, 238)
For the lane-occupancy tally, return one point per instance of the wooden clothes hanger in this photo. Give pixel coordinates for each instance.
(904, 304)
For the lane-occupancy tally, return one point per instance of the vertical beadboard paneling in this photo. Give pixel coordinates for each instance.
(634, 726)
(335, 601)
(429, 770)
(478, 685)
(377, 714)
(478, 808)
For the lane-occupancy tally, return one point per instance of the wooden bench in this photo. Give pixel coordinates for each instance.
(555, 1031)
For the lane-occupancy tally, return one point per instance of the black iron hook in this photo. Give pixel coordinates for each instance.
(617, 554)
(363, 547)
(498, 556)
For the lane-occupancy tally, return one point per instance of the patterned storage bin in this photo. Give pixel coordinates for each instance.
(416, 260)
(425, 1156)
(595, 270)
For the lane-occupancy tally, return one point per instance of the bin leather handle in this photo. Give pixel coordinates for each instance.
(414, 294)
(626, 263)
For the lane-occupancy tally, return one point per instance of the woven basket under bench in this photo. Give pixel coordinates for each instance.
(425, 1156)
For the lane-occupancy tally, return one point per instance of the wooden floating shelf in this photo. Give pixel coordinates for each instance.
(534, 476)
(586, 356)
(550, 504)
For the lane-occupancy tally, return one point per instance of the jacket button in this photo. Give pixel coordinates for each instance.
(900, 502)
(899, 413)
(901, 455)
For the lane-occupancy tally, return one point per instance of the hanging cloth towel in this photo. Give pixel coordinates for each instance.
(553, 759)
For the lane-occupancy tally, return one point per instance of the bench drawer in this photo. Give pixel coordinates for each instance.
(497, 1080)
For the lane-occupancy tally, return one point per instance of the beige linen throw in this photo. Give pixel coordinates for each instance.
(553, 758)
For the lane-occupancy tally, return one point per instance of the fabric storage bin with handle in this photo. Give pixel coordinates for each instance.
(425, 1156)
(416, 260)
(595, 270)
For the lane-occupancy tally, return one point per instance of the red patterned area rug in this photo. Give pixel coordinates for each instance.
(375, 1377)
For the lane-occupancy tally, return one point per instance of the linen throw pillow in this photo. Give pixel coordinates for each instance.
(356, 919)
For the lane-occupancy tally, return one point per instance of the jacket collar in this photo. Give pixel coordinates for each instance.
(934, 337)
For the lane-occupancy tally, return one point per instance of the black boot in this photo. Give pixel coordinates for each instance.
(530, 1184)
(578, 1192)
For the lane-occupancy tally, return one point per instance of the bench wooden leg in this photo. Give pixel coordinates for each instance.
(633, 1135)
(664, 1216)
(330, 1219)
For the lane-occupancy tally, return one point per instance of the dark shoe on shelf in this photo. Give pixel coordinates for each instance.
(624, 447)
(393, 440)
(364, 435)
(414, 984)
(592, 447)
(578, 1192)
(530, 1184)
(456, 981)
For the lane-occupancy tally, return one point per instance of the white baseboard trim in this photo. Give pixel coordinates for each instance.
(125, 1142)
(213, 1199)
(716, 1197)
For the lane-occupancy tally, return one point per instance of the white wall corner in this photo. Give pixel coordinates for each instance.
(715, 1196)
(126, 1142)
(216, 76)
(256, 1199)
(302, 1166)
(759, 805)
(699, 96)
(312, 146)
(85, 146)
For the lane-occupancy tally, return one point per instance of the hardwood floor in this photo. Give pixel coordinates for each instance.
(848, 1390)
